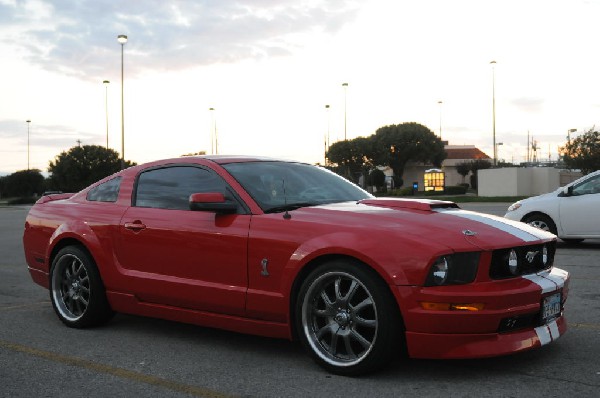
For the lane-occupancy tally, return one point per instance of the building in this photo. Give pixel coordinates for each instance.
(414, 172)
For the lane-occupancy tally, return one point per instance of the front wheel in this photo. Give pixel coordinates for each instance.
(76, 289)
(542, 222)
(347, 318)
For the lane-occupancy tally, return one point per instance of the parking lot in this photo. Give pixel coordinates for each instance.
(134, 356)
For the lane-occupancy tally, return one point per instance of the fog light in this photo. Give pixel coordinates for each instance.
(545, 255)
(513, 262)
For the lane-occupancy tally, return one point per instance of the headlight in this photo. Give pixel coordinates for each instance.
(514, 206)
(453, 269)
(439, 270)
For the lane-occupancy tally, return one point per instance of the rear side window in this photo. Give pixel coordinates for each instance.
(106, 192)
(171, 187)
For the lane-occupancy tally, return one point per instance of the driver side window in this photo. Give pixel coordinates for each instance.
(589, 186)
(171, 187)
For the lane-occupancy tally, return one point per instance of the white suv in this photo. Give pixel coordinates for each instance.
(571, 212)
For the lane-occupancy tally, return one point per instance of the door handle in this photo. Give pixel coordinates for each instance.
(135, 226)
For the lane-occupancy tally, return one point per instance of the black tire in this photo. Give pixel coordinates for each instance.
(573, 241)
(347, 319)
(76, 289)
(541, 221)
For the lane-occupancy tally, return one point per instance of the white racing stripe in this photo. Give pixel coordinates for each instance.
(547, 333)
(557, 276)
(546, 284)
(554, 330)
(543, 333)
(520, 230)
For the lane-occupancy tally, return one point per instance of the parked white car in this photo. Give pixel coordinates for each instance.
(571, 212)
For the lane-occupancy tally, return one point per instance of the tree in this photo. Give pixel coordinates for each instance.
(81, 166)
(583, 152)
(401, 143)
(476, 165)
(377, 179)
(463, 168)
(351, 157)
(24, 183)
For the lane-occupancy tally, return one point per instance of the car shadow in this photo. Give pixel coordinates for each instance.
(248, 350)
(593, 244)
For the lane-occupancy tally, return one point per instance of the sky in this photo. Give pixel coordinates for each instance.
(268, 68)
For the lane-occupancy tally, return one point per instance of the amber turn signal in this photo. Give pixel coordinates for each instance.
(426, 305)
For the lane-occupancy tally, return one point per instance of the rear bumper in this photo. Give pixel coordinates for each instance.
(455, 346)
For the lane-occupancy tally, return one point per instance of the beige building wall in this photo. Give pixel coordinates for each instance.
(517, 181)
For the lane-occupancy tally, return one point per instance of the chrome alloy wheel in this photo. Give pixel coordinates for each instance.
(339, 318)
(541, 224)
(70, 287)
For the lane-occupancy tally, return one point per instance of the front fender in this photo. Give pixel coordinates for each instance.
(398, 262)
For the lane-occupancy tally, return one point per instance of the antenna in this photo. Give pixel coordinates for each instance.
(286, 215)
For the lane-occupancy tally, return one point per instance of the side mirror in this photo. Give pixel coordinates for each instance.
(212, 201)
(567, 191)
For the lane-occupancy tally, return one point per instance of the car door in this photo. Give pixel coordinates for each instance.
(179, 257)
(580, 211)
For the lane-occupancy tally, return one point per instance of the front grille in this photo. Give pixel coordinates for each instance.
(529, 260)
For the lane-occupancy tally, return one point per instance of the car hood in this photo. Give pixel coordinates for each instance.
(432, 220)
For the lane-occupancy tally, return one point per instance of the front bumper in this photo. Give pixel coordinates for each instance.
(455, 346)
(509, 322)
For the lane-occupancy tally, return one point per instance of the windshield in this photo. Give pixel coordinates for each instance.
(277, 186)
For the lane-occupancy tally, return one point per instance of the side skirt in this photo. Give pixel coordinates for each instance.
(129, 304)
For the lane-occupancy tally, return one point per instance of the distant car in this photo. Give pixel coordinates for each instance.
(571, 212)
(289, 250)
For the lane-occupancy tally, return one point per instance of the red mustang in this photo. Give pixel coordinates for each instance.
(290, 250)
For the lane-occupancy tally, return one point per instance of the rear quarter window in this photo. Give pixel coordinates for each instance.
(106, 192)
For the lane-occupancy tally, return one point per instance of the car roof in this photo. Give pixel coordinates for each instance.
(585, 177)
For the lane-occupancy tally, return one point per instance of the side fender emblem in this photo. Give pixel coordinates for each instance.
(468, 232)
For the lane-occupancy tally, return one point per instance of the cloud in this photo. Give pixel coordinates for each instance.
(55, 137)
(79, 38)
(525, 104)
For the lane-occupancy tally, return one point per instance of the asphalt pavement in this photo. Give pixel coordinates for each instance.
(135, 356)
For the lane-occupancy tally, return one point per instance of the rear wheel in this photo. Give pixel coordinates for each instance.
(76, 289)
(541, 221)
(347, 318)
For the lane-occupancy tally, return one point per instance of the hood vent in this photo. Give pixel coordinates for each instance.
(412, 204)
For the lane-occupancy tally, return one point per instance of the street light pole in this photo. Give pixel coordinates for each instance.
(28, 123)
(345, 85)
(326, 135)
(106, 82)
(213, 132)
(493, 63)
(440, 102)
(122, 39)
(497, 145)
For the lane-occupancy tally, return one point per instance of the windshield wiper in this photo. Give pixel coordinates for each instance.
(290, 206)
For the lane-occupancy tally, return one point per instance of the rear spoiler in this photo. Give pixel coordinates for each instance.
(53, 197)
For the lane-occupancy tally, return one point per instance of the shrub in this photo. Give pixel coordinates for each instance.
(22, 201)
(451, 190)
